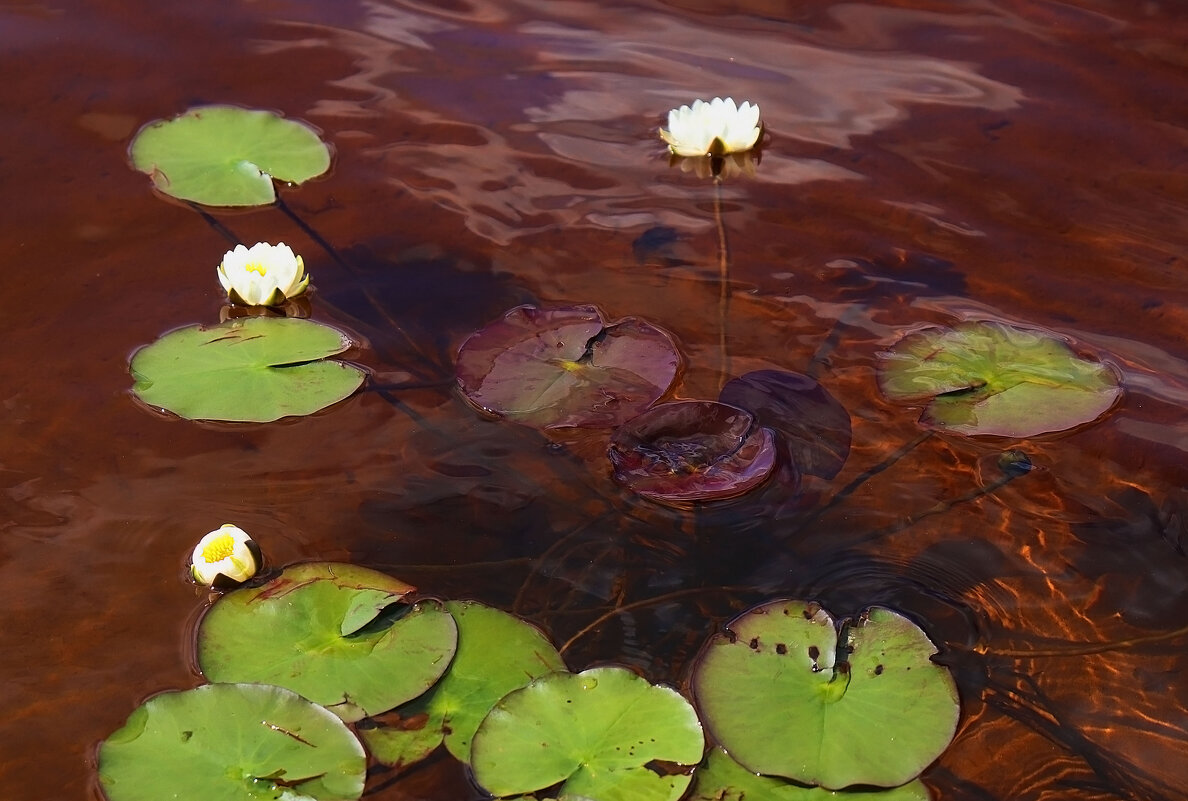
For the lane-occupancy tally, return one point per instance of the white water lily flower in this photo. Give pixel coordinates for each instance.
(226, 551)
(712, 129)
(262, 275)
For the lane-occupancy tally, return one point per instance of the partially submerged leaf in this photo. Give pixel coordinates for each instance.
(692, 451)
(254, 369)
(987, 377)
(567, 367)
(323, 629)
(811, 423)
(497, 653)
(786, 695)
(226, 155)
(229, 742)
(720, 778)
(602, 733)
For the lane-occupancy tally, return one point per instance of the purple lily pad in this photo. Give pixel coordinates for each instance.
(692, 451)
(566, 367)
(813, 425)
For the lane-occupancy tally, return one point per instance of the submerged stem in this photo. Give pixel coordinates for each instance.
(646, 602)
(1076, 648)
(863, 477)
(332, 252)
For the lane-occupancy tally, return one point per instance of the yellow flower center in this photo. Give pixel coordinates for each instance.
(256, 267)
(218, 549)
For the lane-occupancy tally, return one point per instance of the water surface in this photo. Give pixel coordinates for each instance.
(926, 162)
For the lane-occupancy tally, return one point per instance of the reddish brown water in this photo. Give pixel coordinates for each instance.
(1022, 160)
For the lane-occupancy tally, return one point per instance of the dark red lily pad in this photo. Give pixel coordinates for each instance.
(813, 425)
(692, 451)
(566, 367)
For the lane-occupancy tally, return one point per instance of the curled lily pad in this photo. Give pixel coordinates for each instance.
(787, 695)
(720, 778)
(811, 423)
(228, 742)
(497, 653)
(692, 451)
(255, 369)
(987, 377)
(601, 734)
(339, 634)
(226, 155)
(567, 367)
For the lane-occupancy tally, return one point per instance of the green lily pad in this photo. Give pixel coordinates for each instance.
(256, 369)
(226, 155)
(231, 742)
(992, 378)
(339, 634)
(602, 733)
(497, 653)
(566, 367)
(720, 778)
(787, 695)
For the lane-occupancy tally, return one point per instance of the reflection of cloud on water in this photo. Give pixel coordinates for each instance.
(559, 105)
(806, 92)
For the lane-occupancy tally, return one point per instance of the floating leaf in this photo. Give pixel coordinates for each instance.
(254, 369)
(993, 378)
(811, 423)
(336, 633)
(692, 451)
(497, 653)
(720, 778)
(566, 367)
(229, 742)
(601, 733)
(227, 156)
(786, 695)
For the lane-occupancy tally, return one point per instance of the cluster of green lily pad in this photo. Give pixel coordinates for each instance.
(253, 369)
(325, 663)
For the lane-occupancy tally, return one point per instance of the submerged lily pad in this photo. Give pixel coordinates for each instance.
(993, 378)
(720, 778)
(497, 653)
(692, 451)
(255, 369)
(336, 633)
(568, 367)
(226, 155)
(599, 733)
(787, 695)
(229, 742)
(811, 423)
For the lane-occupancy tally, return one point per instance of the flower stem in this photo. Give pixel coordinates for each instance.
(723, 285)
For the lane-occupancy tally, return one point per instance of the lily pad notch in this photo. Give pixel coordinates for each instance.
(988, 377)
(222, 155)
(341, 635)
(788, 691)
(566, 367)
(232, 741)
(254, 370)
